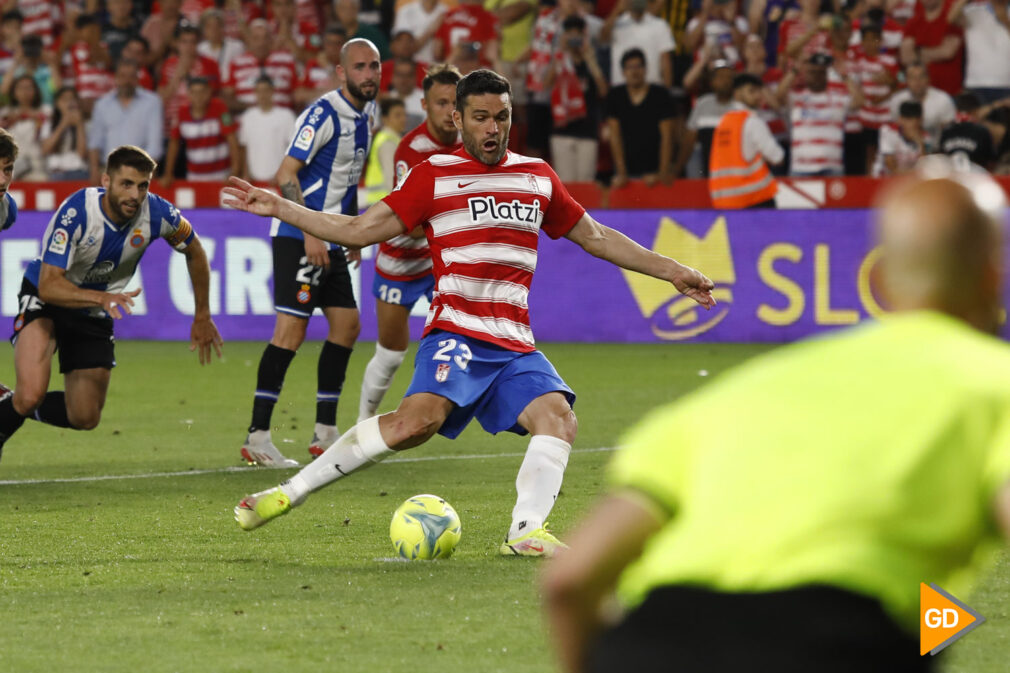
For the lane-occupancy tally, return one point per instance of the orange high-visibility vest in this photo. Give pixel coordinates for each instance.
(733, 181)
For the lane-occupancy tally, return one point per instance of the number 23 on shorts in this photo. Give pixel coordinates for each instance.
(445, 350)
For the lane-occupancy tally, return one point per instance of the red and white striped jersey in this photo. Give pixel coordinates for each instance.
(867, 70)
(818, 129)
(201, 67)
(92, 80)
(246, 69)
(483, 223)
(42, 18)
(207, 151)
(402, 257)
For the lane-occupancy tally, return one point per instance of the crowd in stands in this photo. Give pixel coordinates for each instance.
(613, 90)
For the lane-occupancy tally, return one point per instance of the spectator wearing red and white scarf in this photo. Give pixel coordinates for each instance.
(577, 89)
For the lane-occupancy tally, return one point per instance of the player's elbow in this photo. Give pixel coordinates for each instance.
(45, 290)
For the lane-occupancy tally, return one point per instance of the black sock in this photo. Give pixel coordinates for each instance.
(269, 380)
(10, 420)
(53, 410)
(330, 376)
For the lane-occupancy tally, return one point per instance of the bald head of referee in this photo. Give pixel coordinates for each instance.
(783, 516)
(941, 238)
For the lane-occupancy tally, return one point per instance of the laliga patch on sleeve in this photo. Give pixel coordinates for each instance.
(58, 245)
(401, 180)
(305, 136)
(401, 171)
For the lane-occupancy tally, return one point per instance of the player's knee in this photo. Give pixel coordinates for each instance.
(568, 424)
(557, 420)
(84, 419)
(289, 334)
(347, 331)
(28, 398)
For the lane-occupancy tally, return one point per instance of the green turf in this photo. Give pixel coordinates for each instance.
(152, 574)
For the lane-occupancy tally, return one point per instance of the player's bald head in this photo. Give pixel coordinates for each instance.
(941, 238)
(358, 49)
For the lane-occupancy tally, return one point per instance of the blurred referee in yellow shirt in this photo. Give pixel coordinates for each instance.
(782, 518)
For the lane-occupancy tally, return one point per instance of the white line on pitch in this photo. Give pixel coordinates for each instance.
(222, 470)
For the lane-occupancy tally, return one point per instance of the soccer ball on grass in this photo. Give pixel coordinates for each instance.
(425, 527)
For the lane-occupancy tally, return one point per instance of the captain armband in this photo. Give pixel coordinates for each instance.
(182, 237)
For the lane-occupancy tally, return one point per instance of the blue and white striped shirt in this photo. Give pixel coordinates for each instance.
(98, 254)
(332, 137)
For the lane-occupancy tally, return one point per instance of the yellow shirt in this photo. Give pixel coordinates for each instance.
(868, 461)
(516, 37)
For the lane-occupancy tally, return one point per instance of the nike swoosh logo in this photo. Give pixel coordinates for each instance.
(539, 548)
(464, 185)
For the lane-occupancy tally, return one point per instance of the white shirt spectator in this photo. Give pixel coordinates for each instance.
(758, 138)
(652, 35)
(893, 144)
(265, 136)
(937, 111)
(987, 48)
(413, 17)
(719, 34)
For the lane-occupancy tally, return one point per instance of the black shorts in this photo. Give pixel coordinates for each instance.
(802, 630)
(300, 287)
(82, 341)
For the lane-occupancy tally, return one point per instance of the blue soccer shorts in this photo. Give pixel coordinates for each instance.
(403, 292)
(484, 381)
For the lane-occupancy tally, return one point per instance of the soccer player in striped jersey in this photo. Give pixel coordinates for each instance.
(8, 155)
(74, 290)
(403, 265)
(482, 209)
(321, 171)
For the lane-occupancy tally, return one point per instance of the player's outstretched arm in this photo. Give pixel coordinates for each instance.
(606, 243)
(54, 288)
(203, 334)
(378, 223)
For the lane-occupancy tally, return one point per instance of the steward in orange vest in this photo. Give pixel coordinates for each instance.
(738, 174)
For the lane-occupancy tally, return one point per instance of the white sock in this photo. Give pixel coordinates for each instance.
(258, 437)
(378, 377)
(326, 433)
(538, 483)
(360, 447)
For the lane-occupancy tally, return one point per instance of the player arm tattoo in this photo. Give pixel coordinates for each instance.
(292, 191)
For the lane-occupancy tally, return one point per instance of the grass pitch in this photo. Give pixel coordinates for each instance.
(111, 560)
